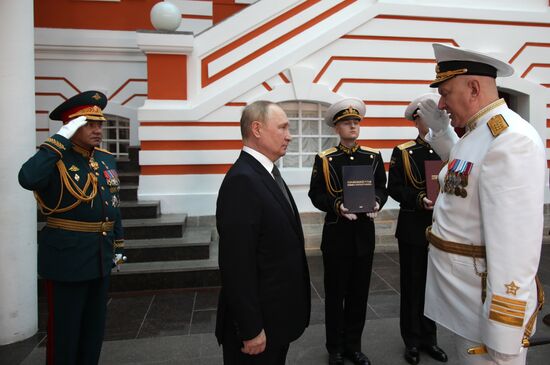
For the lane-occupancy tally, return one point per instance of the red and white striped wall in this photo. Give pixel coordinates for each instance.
(184, 93)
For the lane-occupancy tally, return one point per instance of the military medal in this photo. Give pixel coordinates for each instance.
(114, 201)
(73, 168)
(456, 179)
(93, 164)
(104, 164)
(76, 177)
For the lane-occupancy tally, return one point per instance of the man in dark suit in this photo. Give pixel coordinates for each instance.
(264, 302)
(348, 238)
(77, 188)
(407, 185)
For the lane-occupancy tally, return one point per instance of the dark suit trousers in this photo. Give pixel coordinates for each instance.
(232, 354)
(347, 281)
(416, 329)
(76, 321)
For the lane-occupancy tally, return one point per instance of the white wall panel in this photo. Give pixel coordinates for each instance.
(149, 133)
(188, 157)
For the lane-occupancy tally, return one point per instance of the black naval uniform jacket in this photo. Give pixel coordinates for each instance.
(58, 167)
(342, 237)
(407, 186)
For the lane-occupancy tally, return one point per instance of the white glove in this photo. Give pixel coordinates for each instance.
(69, 129)
(118, 259)
(499, 357)
(373, 215)
(437, 120)
(345, 213)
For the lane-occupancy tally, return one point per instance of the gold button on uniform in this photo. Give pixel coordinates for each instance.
(103, 188)
(351, 157)
(106, 203)
(104, 233)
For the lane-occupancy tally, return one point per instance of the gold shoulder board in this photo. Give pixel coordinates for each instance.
(497, 125)
(373, 150)
(406, 145)
(328, 152)
(102, 150)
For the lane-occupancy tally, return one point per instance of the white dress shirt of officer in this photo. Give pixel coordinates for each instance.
(485, 241)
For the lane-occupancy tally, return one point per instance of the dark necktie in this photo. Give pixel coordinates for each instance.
(279, 180)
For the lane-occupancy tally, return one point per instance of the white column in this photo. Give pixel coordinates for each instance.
(18, 298)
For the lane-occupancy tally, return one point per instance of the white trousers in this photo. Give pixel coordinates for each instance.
(462, 346)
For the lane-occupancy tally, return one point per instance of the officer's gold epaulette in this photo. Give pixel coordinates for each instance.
(328, 151)
(406, 145)
(497, 125)
(104, 151)
(368, 149)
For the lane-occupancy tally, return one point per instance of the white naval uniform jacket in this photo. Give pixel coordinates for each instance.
(503, 210)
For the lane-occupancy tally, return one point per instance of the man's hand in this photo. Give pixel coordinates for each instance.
(428, 204)
(346, 214)
(373, 215)
(256, 345)
(437, 120)
(69, 129)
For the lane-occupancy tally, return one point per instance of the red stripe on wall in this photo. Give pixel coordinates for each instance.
(527, 44)
(468, 21)
(235, 103)
(206, 79)
(369, 59)
(385, 122)
(381, 143)
(378, 81)
(184, 169)
(400, 39)
(60, 79)
(284, 78)
(534, 65)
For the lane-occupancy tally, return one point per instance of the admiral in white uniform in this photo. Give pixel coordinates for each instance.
(485, 241)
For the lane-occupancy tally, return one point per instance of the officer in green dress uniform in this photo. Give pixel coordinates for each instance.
(77, 188)
(348, 239)
(407, 185)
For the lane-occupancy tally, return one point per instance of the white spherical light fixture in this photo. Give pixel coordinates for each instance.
(165, 16)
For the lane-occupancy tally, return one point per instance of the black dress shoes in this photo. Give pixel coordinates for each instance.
(336, 358)
(357, 357)
(412, 355)
(435, 352)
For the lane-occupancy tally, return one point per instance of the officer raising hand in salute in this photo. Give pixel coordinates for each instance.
(76, 186)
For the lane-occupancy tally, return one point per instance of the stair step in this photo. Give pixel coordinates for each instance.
(124, 164)
(128, 192)
(128, 178)
(164, 226)
(140, 209)
(194, 245)
(168, 274)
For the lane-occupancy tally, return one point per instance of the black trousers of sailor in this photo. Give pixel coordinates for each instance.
(347, 281)
(76, 321)
(416, 329)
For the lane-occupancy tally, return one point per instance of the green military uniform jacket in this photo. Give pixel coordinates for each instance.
(78, 191)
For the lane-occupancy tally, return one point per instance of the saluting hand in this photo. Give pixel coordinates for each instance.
(436, 119)
(256, 345)
(69, 129)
